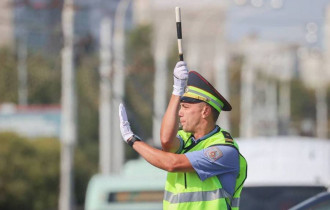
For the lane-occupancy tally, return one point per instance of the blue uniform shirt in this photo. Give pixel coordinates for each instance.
(220, 161)
(226, 167)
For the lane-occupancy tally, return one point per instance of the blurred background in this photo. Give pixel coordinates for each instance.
(65, 65)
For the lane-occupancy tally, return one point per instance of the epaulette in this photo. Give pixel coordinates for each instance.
(228, 137)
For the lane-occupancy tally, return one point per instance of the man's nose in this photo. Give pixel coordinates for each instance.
(180, 113)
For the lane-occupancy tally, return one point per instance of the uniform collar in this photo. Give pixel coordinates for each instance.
(215, 130)
(194, 142)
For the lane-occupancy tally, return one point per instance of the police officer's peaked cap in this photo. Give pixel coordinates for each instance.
(199, 89)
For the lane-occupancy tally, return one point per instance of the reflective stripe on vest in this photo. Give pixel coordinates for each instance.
(235, 202)
(196, 196)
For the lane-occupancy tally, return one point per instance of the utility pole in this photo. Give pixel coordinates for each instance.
(69, 109)
(285, 75)
(321, 112)
(247, 80)
(314, 76)
(323, 106)
(161, 44)
(193, 56)
(22, 70)
(284, 107)
(117, 160)
(21, 47)
(268, 118)
(221, 78)
(105, 97)
(272, 108)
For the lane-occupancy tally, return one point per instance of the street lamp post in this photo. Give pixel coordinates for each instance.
(161, 44)
(69, 109)
(118, 80)
(105, 113)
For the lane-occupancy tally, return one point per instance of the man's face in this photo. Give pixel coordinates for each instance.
(190, 115)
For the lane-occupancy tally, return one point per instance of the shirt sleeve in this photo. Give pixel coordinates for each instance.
(181, 144)
(214, 160)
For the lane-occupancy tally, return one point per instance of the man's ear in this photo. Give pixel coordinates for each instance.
(206, 111)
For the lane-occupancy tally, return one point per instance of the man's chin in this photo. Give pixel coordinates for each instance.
(185, 129)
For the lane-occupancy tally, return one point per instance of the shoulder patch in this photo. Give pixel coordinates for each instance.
(213, 153)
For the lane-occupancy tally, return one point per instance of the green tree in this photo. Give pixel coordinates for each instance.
(8, 76)
(302, 101)
(43, 78)
(29, 173)
(139, 79)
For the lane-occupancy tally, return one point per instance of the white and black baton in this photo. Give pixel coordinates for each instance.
(179, 31)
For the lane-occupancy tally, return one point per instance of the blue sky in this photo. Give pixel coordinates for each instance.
(287, 24)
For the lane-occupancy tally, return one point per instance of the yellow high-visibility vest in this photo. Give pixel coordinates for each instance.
(187, 191)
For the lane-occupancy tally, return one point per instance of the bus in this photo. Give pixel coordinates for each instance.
(282, 171)
(139, 187)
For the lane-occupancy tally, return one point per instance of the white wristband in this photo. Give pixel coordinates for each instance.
(179, 87)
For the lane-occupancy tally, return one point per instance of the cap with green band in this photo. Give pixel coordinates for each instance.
(199, 89)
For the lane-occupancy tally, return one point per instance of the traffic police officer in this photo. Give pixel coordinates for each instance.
(205, 168)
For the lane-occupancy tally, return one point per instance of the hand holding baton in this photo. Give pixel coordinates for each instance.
(180, 72)
(179, 31)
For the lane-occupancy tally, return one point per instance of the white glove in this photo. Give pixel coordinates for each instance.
(180, 75)
(125, 128)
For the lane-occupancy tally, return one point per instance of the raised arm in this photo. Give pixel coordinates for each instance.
(170, 122)
(169, 127)
(161, 159)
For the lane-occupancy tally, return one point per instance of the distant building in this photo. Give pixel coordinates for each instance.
(203, 28)
(31, 121)
(6, 23)
(38, 22)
